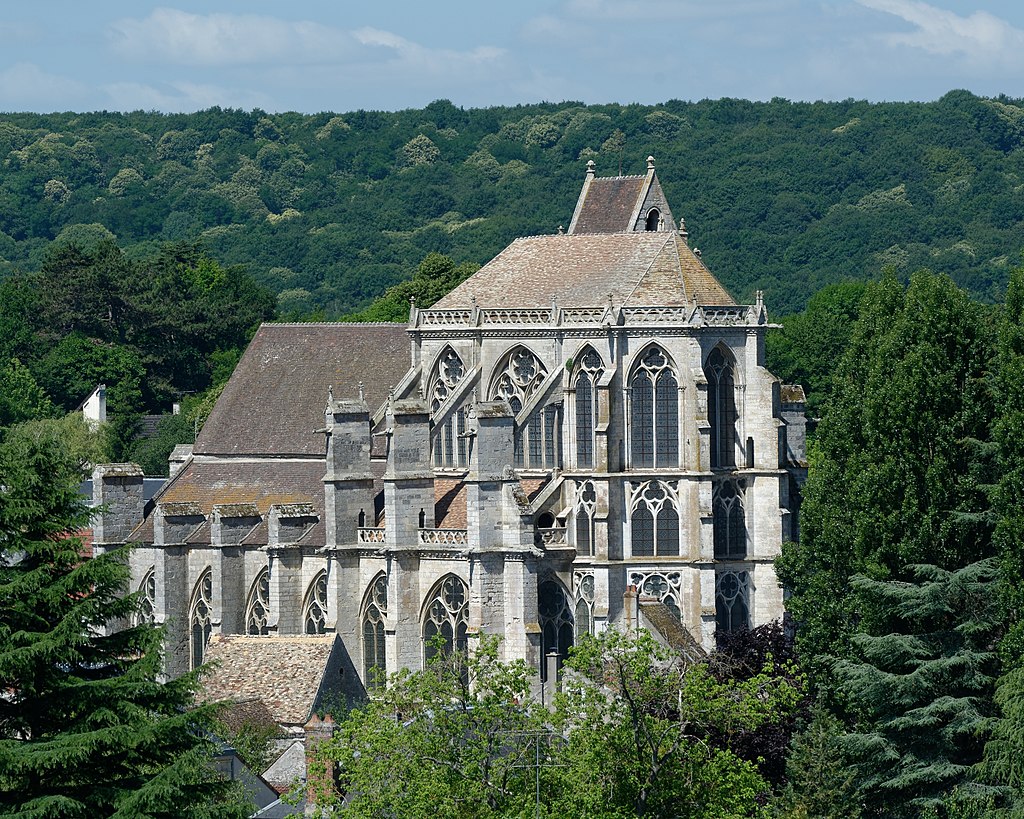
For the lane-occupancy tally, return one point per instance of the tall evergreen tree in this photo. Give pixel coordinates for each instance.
(87, 729)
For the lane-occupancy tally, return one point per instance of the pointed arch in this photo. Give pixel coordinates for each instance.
(200, 617)
(374, 613)
(586, 505)
(654, 409)
(653, 219)
(449, 441)
(516, 379)
(446, 613)
(557, 624)
(720, 373)
(257, 604)
(732, 601)
(589, 369)
(729, 519)
(654, 519)
(583, 615)
(314, 607)
(147, 598)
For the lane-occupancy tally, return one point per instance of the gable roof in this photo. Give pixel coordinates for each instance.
(276, 396)
(286, 673)
(607, 204)
(636, 269)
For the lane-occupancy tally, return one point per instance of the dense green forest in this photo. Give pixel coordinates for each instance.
(327, 210)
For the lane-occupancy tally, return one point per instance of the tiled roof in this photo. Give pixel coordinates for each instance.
(635, 269)
(609, 204)
(284, 672)
(277, 394)
(449, 503)
(674, 632)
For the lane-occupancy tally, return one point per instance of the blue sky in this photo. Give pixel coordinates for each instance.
(391, 54)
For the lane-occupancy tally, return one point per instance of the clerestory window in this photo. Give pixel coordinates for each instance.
(587, 410)
(654, 397)
(257, 607)
(314, 610)
(722, 415)
(200, 618)
(451, 446)
(537, 443)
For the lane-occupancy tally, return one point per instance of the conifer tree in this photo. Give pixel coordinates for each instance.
(87, 729)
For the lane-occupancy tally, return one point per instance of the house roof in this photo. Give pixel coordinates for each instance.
(284, 672)
(276, 396)
(636, 269)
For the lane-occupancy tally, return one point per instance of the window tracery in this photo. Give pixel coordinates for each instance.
(314, 616)
(584, 613)
(654, 401)
(587, 410)
(447, 614)
(722, 413)
(450, 443)
(147, 599)
(375, 611)
(654, 521)
(556, 622)
(665, 586)
(200, 617)
(537, 442)
(257, 607)
(586, 504)
(729, 516)
(732, 601)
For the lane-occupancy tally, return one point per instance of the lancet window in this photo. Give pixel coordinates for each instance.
(147, 599)
(586, 503)
(447, 615)
(590, 369)
(200, 617)
(314, 611)
(257, 607)
(584, 612)
(654, 396)
(556, 622)
(722, 414)
(666, 587)
(732, 601)
(375, 610)
(730, 524)
(654, 519)
(537, 442)
(450, 443)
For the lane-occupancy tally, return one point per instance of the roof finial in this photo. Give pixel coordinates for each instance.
(330, 393)
(561, 230)
(362, 395)
(650, 163)
(590, 167)
(683, 231)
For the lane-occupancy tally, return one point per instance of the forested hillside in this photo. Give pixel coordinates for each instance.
(329, 210)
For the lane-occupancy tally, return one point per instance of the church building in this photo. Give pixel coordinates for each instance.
(581, 434)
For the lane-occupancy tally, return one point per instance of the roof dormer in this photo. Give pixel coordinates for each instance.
(621, 204)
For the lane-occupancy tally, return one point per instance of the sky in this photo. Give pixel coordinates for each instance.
(336, 55)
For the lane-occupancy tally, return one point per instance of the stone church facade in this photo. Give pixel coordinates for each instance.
(583, 433)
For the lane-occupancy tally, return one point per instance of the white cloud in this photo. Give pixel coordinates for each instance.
(183, 97)
(656, 12)
(981, 36)
(427, 59)
(174, 36)
(25, 86)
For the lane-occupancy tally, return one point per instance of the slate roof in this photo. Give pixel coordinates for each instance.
(276, 396)
(637, 269)
(608, 204)
(284, 672)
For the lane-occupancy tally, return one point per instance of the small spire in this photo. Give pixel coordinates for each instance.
(650, 163)
(561, 230)
(362, 395)
(412, 301)
(330, 393)
(590, 167)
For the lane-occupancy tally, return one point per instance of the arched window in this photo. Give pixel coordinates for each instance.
(375, 610)
(654, 395)
(257, 607)
(518, 379)
(447, 615)
(653, 220)
(556, 622)
(730, 524)
(450, 443)
(666, 587)
(200, 617)
(314, 610)
(147, 599)
(654, 520)
(590, 369)
(584, 613)
(732, 601)
(721, 408)
(586, 503)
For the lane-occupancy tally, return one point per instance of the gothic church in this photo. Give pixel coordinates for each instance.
(581, 434)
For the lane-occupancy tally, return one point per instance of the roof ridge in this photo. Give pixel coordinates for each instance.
(338, 323)
(625, 176)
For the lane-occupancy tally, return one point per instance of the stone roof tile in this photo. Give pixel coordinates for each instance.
(609, 204)
(276, 397)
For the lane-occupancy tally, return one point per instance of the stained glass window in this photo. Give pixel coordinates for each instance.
(200, 617)
(654, 400)
(721, 408)
(257, 608)
(375, 610)
(314, 616)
